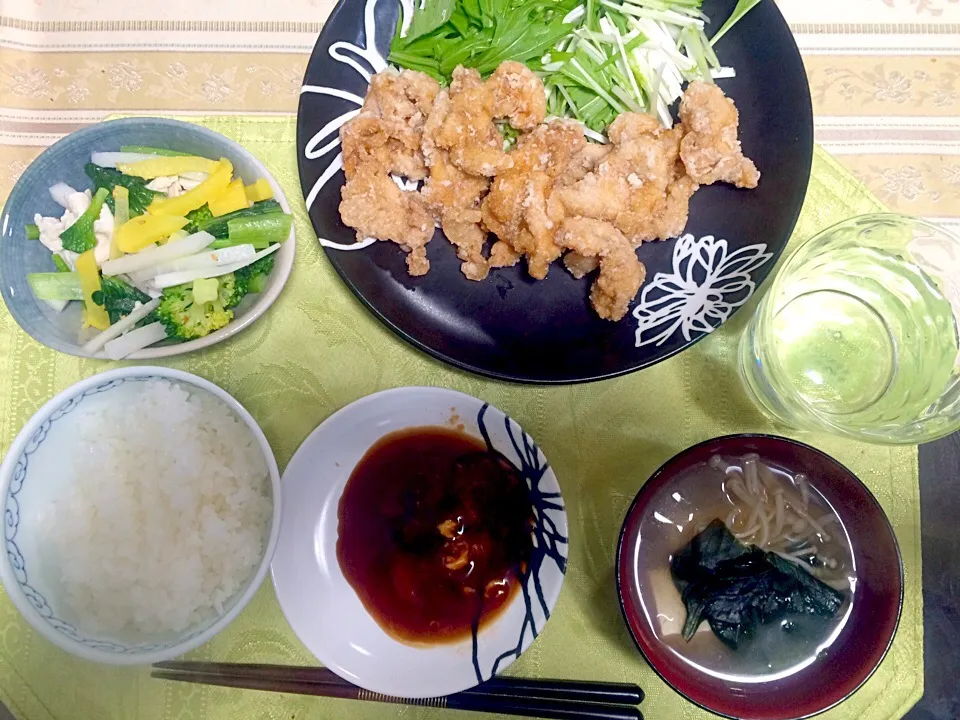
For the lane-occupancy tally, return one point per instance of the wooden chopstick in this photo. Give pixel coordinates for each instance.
(554, 699)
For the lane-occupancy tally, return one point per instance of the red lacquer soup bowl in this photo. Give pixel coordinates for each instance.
(858, 643)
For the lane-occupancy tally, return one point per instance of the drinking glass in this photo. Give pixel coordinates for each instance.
(857, 333)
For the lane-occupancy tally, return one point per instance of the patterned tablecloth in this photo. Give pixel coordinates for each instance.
(885, 76)
(886, 93)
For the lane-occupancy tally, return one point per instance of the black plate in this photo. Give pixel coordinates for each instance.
(512, 327)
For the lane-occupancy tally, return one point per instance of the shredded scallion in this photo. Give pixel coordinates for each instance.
(597, 58)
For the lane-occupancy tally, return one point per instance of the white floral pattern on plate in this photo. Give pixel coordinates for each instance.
(704, 288)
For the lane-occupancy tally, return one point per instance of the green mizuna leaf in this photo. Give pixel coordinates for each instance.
(429, 17)
(597, 58)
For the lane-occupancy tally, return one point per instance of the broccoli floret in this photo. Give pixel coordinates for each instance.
(149, 319)
(256, 273)
(232, 289)
(186, 320)
(263, 266)
(118, 297)
(140, 195)
(79, 237)
(198, 218)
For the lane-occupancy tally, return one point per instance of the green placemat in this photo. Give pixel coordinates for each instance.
(317, 350)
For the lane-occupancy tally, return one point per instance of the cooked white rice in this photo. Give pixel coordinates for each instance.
(166, 514)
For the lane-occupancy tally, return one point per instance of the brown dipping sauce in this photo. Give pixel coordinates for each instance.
(434, 533)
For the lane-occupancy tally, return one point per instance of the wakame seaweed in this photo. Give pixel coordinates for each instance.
(737, 588)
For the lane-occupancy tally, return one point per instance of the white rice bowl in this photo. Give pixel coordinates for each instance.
(142, 508)
(166, 514)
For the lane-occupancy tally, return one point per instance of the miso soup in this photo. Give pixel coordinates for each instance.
(774, 516)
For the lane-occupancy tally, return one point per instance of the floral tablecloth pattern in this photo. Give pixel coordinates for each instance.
(886, 92)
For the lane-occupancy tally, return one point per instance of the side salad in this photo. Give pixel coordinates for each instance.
(164, 246)
(597, 58)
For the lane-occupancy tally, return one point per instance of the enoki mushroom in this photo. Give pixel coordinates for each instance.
(778, 515)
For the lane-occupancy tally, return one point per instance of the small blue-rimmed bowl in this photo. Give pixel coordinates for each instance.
(32, 475)
(63, 162)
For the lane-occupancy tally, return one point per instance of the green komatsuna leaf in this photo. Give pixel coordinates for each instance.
(742, 8)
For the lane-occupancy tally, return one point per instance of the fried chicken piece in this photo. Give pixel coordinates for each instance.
(502, 255)
(373, 204)
(580, 265)
(601, 193)
(465, 128)
(406, 96)
(711, 151)
(518, 208)
(388, 129)
(435, 121)
(638, 185)
(454, 198)
(676, 209)
(660, 191)
(658, 208)
(462, 147)
(634, 159)
(518, 95)
(469, 238)
(621, 273)
(464, 119)
(387, 144)
(583, 162)
(449, 188)
(385, 138)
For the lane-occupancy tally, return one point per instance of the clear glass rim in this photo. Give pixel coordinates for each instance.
(899, 218)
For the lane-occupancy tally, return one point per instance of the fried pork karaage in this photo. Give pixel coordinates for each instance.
(517, 95)
(385, 139)
(582, 162)
(621, 273)
(372, 203)
(554, 194)
(580, 265)
(711, 150)
(464, 122)
(462, 146)
(388, 129)
(465, 127)
(639, 185)
(518, 209)
(453, 195)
